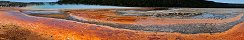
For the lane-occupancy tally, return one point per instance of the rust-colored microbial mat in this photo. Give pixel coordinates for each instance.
(198, 22)
(99, 25)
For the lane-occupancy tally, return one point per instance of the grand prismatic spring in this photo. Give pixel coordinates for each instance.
(119, 20)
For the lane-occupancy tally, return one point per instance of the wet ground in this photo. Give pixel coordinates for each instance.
(182, 28)
(14, 32)
(122, 27)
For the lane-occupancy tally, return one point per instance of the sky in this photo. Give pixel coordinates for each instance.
(230, 1)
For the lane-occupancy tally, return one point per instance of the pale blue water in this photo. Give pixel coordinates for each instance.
(64, 6)
(82, 6)
(73, 6)
(221, 1)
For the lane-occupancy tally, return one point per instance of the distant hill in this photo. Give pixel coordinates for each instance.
(155, 3)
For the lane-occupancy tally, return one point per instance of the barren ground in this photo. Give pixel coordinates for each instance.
(107, 25)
